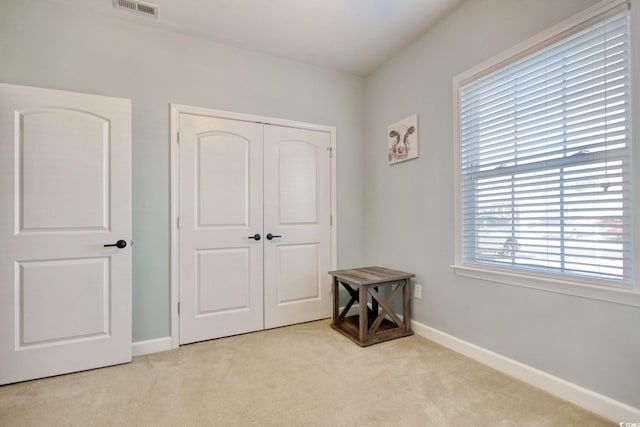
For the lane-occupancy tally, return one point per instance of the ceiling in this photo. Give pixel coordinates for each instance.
(356, 36)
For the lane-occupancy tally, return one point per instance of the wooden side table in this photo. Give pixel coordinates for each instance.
(376, 323)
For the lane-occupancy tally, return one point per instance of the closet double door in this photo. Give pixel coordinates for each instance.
(254, 226)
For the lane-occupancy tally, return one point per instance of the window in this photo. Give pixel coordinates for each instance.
(544, 156)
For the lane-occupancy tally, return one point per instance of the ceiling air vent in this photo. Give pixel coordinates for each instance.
(137, 6)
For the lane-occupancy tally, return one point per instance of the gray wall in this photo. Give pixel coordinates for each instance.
(53, 46)
(410, 223)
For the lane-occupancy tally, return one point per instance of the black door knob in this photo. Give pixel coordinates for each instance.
(255, 236)
(272, 236)
(119, 244)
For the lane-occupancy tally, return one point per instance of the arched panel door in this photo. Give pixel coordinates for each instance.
(297, 212)
(254, 233)
(65, 193)
(220, 215)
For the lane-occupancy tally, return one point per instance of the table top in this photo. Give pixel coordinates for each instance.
(369, 275)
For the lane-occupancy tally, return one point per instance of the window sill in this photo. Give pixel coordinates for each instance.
(565, 287)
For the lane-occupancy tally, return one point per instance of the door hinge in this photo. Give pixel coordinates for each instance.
(330, 219)
(330, 150)
(178, 222)
(178, 308)
(178, 137)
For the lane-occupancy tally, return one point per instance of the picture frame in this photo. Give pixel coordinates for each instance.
(402, 140)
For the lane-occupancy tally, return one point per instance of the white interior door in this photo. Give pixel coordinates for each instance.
(254, 232)
(65, 179)
(297, 209)
(220, 199)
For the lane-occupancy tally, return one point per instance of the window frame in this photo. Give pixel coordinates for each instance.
(558, 283)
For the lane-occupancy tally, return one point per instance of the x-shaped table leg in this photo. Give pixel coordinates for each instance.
(354, 298)
(386, 308)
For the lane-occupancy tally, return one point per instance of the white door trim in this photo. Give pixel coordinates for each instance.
(175, 110)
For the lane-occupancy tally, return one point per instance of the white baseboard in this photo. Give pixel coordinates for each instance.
(140, 348)
(602, 405)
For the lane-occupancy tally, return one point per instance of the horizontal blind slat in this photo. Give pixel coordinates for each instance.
(615, 28)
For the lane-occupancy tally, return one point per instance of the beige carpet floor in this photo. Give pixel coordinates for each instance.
(302, 375)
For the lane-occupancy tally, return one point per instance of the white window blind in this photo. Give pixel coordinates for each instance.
(545, 159)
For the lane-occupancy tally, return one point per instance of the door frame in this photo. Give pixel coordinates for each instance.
(175, 111)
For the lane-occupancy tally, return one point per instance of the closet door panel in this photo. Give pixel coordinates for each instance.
(220, 193)
(297, 209)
